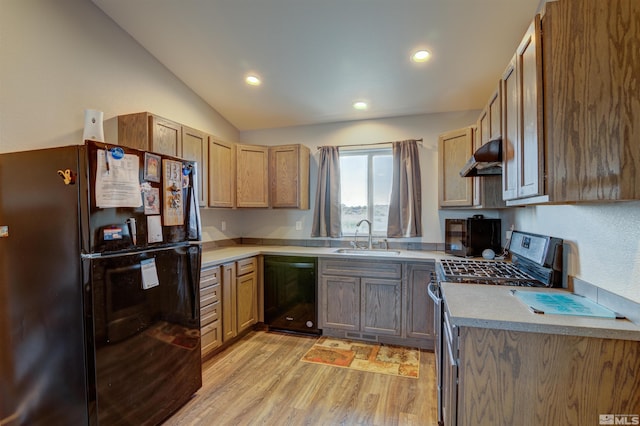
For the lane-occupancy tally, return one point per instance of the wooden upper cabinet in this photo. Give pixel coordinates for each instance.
(483, 134)
(252, 184)
(529, 75)
(222, 173)
(523, 149)
(454, 150)
(289, 175)
(195, 145)
(592, 100)
(510, 138)
(571, 120)
(148, 132)
(494, 109)
(133, 130)
(165, 136)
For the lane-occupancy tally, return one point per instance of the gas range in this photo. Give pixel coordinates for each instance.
(485, 272)
(536, 262)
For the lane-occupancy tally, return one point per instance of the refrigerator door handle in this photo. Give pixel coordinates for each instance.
(193, 270)
(192, 207)
(129, 253)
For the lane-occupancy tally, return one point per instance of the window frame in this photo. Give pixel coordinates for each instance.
(370, 153)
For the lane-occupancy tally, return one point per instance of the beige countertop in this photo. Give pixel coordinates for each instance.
(485, 306)
(229, 254)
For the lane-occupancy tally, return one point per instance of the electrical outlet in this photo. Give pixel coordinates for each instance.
(223, 225)
(299, 225)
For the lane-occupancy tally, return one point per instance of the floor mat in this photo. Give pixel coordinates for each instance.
(372, 357)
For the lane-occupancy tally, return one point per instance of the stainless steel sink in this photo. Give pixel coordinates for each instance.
(368, 252)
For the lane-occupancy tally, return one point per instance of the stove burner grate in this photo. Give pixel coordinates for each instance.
(486, 272)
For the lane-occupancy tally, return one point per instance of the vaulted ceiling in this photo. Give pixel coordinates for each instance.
(315, 58)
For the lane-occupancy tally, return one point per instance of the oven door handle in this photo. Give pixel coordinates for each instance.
(449, 343)
(433, 291)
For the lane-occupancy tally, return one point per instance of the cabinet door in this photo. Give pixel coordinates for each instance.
(478, 131)
(210, 308)
(133, 130)
(531, 160)
(165, 136)
(194, 148)
(247, 301)
(252, 184)
(222, 173)
(340, 302)
(495, 116)
(454, 150)
(229, 300)
(510, 128)
(381, 310)
(289, 175)
(523, 149)
(420, 306)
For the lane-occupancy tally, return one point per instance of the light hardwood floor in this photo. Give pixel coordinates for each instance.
(261, 381)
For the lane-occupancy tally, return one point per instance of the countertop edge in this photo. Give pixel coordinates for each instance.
(475, 305)
(221, 255)
(565, 330)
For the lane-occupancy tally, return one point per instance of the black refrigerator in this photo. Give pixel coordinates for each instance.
(99, 280)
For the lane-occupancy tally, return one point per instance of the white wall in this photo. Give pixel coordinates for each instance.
(269, 223)
(603, 241)
(58, 58)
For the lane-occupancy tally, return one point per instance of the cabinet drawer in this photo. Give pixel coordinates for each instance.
(209, 314)
(246, 266)
(355, 268)
(209, 294)
(210, 336)
(209, 276)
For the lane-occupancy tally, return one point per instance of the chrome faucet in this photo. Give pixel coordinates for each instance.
(368, 223)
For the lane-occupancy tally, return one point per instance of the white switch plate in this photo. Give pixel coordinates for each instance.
(223, 225)
(299, 225)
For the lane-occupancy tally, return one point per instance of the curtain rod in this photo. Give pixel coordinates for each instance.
(370, 144)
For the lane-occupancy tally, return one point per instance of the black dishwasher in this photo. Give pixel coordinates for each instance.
(290, 294)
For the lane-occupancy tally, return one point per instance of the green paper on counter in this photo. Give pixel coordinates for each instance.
(562, 304)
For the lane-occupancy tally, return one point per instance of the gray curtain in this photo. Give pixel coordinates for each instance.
(326, 216)
(405, 207)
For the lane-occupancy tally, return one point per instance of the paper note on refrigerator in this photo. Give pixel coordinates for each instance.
(117, 181)
(149, 274)
(154, 229)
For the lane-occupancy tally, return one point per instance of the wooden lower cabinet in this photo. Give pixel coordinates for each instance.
(228, 302)
(523, 378)
(239, 297)
(340, 302)
(381, 305)
(384, 301)
(246, 301)
(419, 306)
(210, 319)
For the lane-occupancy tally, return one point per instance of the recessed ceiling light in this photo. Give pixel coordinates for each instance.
(253, 80)
(360, 105)
(421, 56)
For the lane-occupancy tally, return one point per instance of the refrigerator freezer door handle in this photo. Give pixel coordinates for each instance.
(131, 222)
(193, 270)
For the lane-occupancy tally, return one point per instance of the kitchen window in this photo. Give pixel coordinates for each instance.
(365, 189)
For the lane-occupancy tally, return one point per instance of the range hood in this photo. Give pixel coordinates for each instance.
(487, 160)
